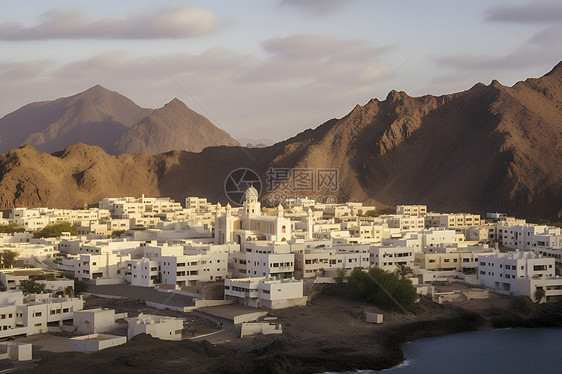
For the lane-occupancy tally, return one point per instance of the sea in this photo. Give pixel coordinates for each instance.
(510, 351)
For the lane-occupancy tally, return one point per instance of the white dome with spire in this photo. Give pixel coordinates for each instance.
(252, 194)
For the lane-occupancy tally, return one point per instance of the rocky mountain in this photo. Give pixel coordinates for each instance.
(108, 119)
(96, 116)
(171, 127)
(490, 148)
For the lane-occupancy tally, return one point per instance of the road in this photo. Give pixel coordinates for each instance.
(143, 293)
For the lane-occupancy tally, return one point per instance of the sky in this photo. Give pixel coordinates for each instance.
(270, 68)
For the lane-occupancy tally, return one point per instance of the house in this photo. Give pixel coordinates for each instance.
(160, 327)
(520, 273)
(272, 293)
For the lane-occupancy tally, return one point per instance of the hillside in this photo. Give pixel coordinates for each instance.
(490, 148)
(96, 116)
(173, 127)
(111, 121)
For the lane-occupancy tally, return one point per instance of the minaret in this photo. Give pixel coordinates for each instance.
(280, 210)
(251, 208)
(309, 221)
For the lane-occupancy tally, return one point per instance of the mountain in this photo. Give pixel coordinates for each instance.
(96, 116)
(108, 119)
(490, 148)
(174, 126)
(256, 142)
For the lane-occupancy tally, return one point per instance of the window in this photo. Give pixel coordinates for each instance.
(37, 314)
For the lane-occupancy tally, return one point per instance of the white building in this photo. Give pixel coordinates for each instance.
(264, 292)
(93, 321)
(32, 314)
(452, 220)
(250, 224)
(411, 210)
(519, 273)
(142, 272)
(160, 327)
(388, 257)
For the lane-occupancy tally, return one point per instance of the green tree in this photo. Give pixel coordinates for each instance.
(117, 233)
(69, 291)
(380, 212)
(10, 228)
(403, 271)
(31, 286)
(56, 230)
(540, 294)
(80, 286)
(376, 286)
(341, 274)
(9, 258)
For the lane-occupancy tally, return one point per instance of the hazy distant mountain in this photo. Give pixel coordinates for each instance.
(107, 119)
(172, 127)
(485, 149)
(96, 116)
(256, 142)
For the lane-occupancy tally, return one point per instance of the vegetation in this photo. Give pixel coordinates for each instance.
(550, 223)
(403, 271)
(117, 233)
(80, 286)
(56, 230)
(31, 286)
(340, 275)
(10, 228)
(372, 285)
(9, 258)
(380, 212)
(540, 293)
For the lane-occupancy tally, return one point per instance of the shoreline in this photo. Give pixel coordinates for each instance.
(328, 335)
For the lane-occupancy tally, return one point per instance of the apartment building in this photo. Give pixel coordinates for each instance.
(452, 221)
(272, 293)
(32, 314)
(411, 210)
(520, 273)
(388, 257)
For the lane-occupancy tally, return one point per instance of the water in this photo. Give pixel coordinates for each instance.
(512, 351)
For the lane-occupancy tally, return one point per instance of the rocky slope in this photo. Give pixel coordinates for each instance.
(490, 148)
(108, 119)
(174, 126)
(96, 116)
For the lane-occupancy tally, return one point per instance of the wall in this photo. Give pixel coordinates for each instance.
(83, 344)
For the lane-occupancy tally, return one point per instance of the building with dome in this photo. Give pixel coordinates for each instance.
(247, 224)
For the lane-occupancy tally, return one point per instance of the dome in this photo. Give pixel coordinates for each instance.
(252, 194)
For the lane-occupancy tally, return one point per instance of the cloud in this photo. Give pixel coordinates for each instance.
(540, 50)
(276, 96)
(538, 11)
(315, 7)
(170, 21)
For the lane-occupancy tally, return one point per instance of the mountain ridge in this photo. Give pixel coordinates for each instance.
(488, 148)
(98, 116)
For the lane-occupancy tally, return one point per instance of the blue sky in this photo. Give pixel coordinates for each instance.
(270, 68)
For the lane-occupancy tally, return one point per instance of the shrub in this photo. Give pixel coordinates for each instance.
(371, 286)
(55, 230)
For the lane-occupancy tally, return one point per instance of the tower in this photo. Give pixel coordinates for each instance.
(309, 221)
(251, 207)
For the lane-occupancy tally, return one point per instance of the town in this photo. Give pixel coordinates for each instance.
(203, 255)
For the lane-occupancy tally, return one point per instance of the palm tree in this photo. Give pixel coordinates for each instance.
(403, 271)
